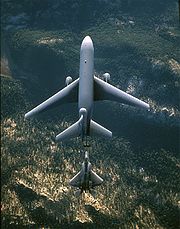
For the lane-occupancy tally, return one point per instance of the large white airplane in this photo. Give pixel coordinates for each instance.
(85, 90)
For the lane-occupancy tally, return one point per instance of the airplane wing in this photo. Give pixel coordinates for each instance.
(96, 180)
(76, 180)
(105, 91)
(69, 94)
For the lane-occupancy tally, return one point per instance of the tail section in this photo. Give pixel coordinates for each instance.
(96, 129)
(94, 179)
(79, 128)
(71, 132)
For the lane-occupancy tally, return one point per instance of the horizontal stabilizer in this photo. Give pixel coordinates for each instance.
(76, 180)
(71, 132)
(96, 180)
(69, 94)
(96, 129)
(105, 91)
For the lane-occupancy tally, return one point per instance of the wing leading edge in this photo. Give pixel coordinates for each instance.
(96, 180)
(69, 94)
(76, 180)
(105, 91)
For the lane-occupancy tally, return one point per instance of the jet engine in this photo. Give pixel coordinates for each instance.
(106, 77)
(68, 80)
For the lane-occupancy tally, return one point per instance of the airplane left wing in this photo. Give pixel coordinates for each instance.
(69, 94)
(76, 180)
(71, 132)
(105, 91)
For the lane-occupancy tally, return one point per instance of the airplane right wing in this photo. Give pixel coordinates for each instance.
(105, 91)
(96, 180)
(69, 94)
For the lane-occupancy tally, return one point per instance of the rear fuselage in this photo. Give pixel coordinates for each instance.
(86, 80)
(85, 179)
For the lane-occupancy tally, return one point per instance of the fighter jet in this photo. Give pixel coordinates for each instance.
(85, 90)
(86, 179)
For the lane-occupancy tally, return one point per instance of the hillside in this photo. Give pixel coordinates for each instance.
(140, 165)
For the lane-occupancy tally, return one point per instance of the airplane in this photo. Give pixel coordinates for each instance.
(85, 90)
(86, 179)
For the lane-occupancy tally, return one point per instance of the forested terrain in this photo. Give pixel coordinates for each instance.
(137, 42)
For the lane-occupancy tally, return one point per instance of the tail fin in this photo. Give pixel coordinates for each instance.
(76, 181)
(71, 132)
(96, 129)
(76, 130)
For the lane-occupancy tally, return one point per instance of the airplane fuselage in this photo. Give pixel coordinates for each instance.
(86, 81)
(86, 179)
(85, 182)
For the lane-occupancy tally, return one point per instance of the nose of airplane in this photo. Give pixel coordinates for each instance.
(87, 39)
(87, 42)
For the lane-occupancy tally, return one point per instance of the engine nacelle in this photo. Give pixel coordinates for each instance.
(68, 80)
(106, 77)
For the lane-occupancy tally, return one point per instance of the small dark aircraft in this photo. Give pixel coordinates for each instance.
(86, 179)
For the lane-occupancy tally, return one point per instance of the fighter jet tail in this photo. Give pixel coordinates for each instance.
(96, 129)
(95, 180)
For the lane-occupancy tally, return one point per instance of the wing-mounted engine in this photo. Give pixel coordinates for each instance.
(68, 80)
(106, 77)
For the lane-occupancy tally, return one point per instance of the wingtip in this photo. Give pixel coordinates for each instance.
(145, 106)
(148, 107)
(30, 114)
(110, 134)
(57, 138)
(26, 116)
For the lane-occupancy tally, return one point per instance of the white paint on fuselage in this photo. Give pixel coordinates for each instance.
(86, 78)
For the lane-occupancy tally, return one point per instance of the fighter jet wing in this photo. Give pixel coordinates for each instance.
(96, 180)
(76, 180)
(105, 91)
(68, 94)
